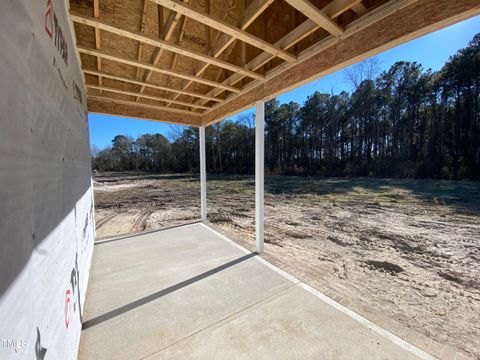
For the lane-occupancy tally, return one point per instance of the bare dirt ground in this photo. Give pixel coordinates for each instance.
(408, 249)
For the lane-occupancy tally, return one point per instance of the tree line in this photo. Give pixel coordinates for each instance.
(403, 122)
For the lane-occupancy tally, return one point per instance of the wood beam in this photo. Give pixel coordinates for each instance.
(251, 13)
(254, 10)
(164, 32)
(182, 25)
(135, 103)
(359, 8)
(106, 26)
(142, 30)
(153, 86)
(150, 67)
(389, 25)
(226, 28)
(102, 106)
(313, 13)
(96, 13)
(334, 8)
(146, 96)
(208, 30)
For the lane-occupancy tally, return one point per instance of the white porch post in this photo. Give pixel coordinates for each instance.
(259, 174)
(203, 175)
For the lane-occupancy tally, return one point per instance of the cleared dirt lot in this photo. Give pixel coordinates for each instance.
(404, 249)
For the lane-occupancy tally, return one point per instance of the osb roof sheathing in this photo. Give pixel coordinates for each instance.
(118, 39)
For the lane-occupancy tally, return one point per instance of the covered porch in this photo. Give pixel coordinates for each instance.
(190, 292)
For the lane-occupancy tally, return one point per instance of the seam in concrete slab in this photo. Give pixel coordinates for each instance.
(350, 313)
(222, 320)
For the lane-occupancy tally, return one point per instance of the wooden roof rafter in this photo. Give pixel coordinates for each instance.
(359, 8)
(333, 9)
(146, 96)
(252, 12)
(148, 66)
(106, 26)
(151, 85)
(318, 16)
(165, 33)
(96, 13)
(140, 104)
(183, 22)
(226, 28)
(142, 30)
(376, 15)
(218, 65)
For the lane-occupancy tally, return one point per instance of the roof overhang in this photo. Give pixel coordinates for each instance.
(198, 62)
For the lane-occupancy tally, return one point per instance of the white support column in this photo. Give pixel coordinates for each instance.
(259, 174)
(203, 175)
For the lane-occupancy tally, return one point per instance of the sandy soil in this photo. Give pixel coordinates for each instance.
(409, 249)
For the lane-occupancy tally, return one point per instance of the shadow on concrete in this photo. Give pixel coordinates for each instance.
(133, 305)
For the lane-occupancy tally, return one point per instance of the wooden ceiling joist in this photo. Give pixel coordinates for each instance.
(252, 12)
(293, 37)
(175, 57)
(334, 8)
(359, 8)
(313, 13)
(142, 30)
(140, 104)
(165, 33)
(153, 86)
(150, 67)
(218, 57)
(104, 25)
(306, 70)
(225, 27)
(96, 13)
(145, 96)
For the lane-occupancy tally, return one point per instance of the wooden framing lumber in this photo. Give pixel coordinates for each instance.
(146, 96)
(165, 31)
(148, 66)
(286, 61)
(103, 106)
(313, 13)
(183, 22)
(334, 8)
(153, 86)
(307, 27)
(142, 30)
(136, 103)
(104, 25)
(96, 13)
(397, 21)
(252, 12)
(359, 8)
(225, 27)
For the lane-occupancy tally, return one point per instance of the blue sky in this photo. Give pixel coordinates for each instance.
(432, 51)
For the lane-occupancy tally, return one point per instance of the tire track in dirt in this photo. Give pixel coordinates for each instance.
(141, 221)
(105, 220)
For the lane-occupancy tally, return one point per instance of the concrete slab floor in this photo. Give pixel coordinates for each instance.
(188, 292)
